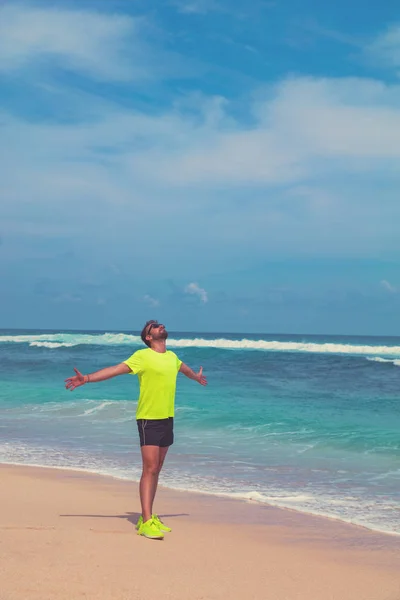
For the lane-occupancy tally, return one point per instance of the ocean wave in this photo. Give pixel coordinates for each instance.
(52, 344)
(104, 410)
(384, 360)
(364, 512)
(98, 408)
(57, 340)
(49, 340)
(275, 346)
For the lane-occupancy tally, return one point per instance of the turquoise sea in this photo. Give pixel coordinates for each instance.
(306, 422)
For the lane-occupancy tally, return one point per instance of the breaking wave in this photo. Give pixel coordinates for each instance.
(52, 344)
(59, 340)
(384, 360)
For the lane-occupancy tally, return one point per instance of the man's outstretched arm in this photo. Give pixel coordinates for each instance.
(199, 377)
(79, 379)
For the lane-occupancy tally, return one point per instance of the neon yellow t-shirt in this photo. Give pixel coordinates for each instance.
(157, 373)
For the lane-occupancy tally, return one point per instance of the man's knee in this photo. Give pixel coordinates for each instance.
(151, 469)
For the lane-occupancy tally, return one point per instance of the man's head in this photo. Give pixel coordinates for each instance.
(153, 331)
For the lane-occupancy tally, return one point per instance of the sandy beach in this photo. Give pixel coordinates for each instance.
(67, 534)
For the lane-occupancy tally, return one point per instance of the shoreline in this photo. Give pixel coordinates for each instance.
(68, 534)
(249, 501)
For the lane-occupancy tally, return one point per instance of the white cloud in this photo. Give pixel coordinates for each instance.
(104, 46)
(194, 289)
(199, 7)
(151, 301)
(85, 41)
(386, 47)
(307, 171)
(309, 126)
(388, 286)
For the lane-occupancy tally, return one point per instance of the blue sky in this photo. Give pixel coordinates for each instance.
(221, 166)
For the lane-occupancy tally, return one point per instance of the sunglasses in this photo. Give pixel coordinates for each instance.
(154, 326)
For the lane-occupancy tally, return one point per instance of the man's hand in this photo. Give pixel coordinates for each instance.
(73, 382)
(200, 377)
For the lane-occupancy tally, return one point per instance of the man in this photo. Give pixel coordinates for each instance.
(157, 369)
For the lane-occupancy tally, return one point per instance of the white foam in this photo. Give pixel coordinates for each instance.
(96, 409)
(116, 339)
(73, 339)
(254, 496)
(384, 360)
(51, 344)
(276, 346)
(348, 509)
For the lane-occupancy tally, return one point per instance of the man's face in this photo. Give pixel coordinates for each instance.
(157, 332)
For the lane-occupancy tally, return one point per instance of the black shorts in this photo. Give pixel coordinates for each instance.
(156, 432)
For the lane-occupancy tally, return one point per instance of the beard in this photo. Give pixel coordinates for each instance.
(161, 335)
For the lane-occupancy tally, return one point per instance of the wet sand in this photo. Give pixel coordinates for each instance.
(69, 535)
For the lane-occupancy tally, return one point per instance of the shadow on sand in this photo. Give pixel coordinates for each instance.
(132, 517)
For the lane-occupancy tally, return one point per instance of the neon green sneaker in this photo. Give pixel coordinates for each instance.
(139, 523)
(150, 530)
(162, 526)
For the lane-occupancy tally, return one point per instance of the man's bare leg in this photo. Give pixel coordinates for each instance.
(149, 479)
(162, 455)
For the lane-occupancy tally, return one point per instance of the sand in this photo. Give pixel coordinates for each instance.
(70, 535)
